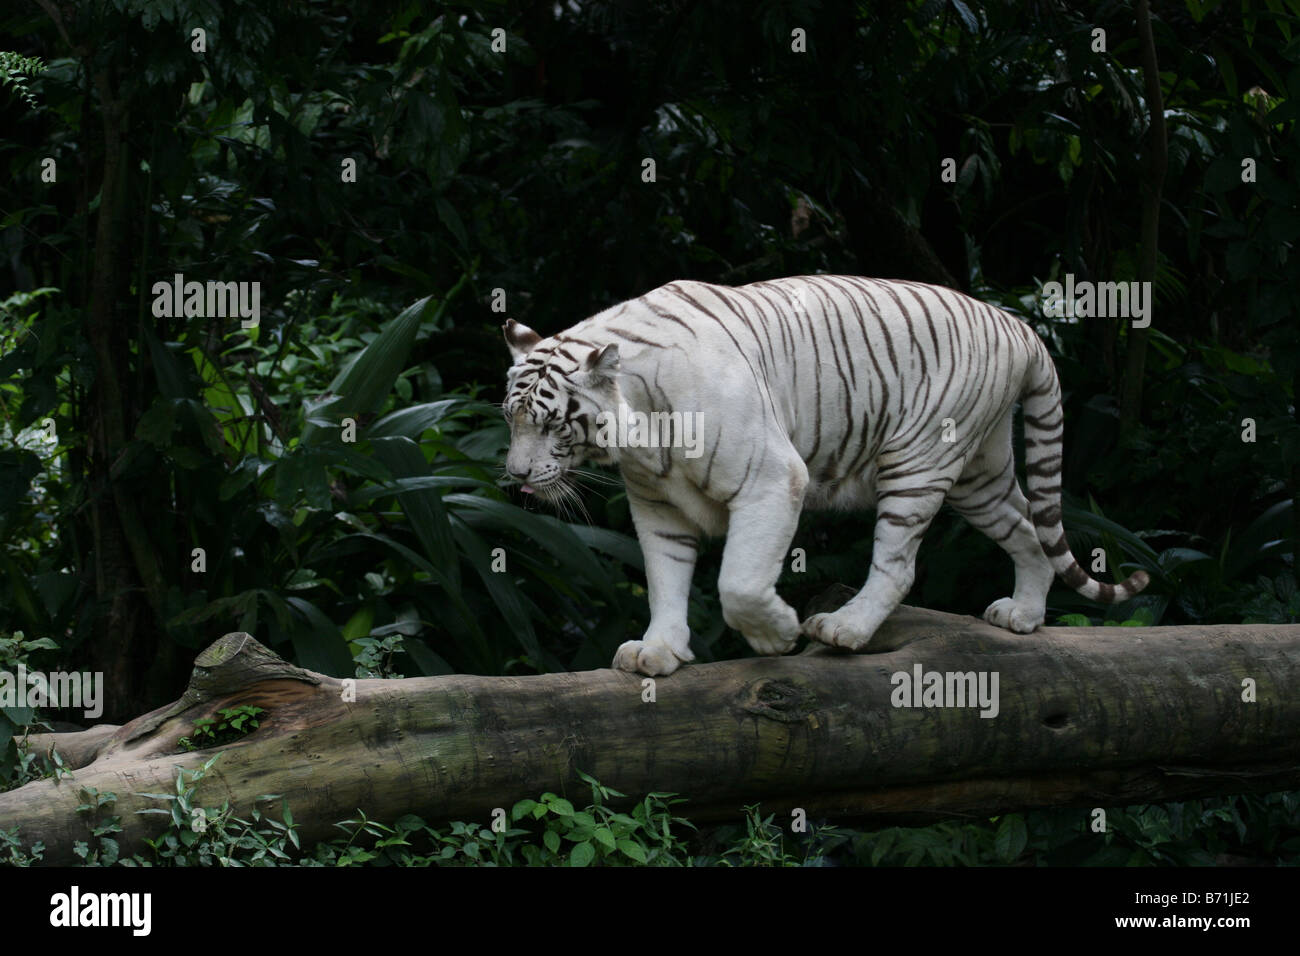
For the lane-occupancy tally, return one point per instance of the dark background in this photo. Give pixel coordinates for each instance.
(521, 170)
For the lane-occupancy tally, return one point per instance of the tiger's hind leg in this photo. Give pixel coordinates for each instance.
(989, 497)
(903, 512)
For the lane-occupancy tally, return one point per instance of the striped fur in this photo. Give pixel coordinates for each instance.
(815, 391)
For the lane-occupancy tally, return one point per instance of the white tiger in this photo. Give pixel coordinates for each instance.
(819, 391)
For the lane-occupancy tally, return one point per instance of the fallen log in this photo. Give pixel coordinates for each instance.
(1082, 717)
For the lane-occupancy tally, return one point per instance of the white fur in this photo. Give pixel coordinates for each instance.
(823, 391)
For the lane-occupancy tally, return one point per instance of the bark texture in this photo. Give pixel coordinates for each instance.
(1085, 717)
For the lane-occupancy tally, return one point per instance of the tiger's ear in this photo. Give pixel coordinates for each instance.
(602, 364)
(520, 338)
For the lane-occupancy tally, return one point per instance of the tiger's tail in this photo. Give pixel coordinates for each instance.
(1044, 424)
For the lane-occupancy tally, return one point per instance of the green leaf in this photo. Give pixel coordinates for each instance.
(367, 378)
(967, 18)
(19, 716)
(552, 841)
(170, 373)
(581, 854)
(464, 624)
(157, 424)
(448, 216)
(1266, 535)
(1172, 558)
(1011, 838)
(317, 642)
(240, 478)
(621, 546)
(632, 850)
(553, 535)
(359, 623)
(428, 517)
(412, 422)
(558, 805)
(1130, 542)
(505, 594)
(422, 482)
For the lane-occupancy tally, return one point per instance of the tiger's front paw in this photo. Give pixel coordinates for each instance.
(646, 657)
(774, 642)
(837, 629)
(768, 624)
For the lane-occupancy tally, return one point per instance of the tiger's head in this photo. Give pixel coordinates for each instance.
(555, 390)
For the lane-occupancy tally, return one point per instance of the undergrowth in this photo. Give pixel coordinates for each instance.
(612, 831)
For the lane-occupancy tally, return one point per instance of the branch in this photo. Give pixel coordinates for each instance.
(1102, 716)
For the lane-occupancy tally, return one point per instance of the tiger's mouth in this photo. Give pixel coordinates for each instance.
(544, 489)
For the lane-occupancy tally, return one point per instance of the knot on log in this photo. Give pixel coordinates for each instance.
(780, 700)
(237, 659)
(228, 665)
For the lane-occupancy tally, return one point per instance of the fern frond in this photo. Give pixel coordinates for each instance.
(13, 66)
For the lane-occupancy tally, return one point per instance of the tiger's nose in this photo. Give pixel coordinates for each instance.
(516, 474)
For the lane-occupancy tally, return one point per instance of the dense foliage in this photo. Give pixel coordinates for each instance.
(399, 182)
(554, 830)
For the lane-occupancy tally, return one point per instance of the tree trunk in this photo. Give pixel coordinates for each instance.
(119, 559)
(1157, 158)
(1085, 717)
